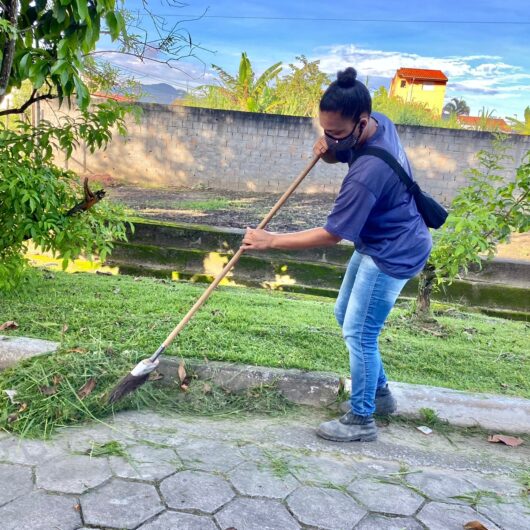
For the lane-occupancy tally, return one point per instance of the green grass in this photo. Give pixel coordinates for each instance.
(106, 324)
(215, 203)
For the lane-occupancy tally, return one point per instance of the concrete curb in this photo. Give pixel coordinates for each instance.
(320, 389)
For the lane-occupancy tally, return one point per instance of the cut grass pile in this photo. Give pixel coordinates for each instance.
(109, 323)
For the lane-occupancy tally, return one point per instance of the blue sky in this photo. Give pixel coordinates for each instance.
(487, 64)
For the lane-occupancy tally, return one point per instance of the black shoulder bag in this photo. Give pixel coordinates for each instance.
(433, 213)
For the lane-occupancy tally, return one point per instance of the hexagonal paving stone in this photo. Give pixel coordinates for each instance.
(14, 481)
(260, 481)
(326, 508)
(386, 498)
(120, 504)
(40, 511)
(209, 455)
(145, 463)
(256, 514)
(72, 474)
(511, 515)
(28, 452)
(196, 490)
(182, 521)
(440, 486)
(441, 516)
(380, 522)
(322, 470)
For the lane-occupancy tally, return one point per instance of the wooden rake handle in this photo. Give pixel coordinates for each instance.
(232, 262)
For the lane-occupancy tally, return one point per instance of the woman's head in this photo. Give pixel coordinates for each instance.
(345, 106)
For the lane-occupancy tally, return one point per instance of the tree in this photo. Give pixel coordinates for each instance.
(521, 127)
(240, 92)
(299, 92)
(457, 107)
(482, 215)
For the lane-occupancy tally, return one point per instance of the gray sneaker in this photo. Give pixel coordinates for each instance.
(385, 403)
(346, 429)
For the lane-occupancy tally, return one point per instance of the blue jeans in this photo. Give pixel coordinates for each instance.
(365, 299)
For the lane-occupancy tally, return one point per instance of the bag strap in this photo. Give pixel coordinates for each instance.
(384, 155)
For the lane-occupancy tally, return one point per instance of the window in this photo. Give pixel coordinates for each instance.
(428, 86)
(403, 84)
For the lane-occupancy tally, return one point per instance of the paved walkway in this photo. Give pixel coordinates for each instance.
(258, 474)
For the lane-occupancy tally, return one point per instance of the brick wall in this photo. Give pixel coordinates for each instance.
(184, 146)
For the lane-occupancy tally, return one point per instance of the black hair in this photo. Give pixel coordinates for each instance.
(347, 95)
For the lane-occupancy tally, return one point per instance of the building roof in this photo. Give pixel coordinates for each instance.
(115, 97)
(422, 74)
(491, 123)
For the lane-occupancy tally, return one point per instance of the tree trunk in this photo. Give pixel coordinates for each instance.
(10, 14)
(423, 300)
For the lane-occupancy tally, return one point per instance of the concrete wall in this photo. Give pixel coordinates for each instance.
(183, 146)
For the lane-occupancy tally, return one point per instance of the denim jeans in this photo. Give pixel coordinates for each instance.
(365, 299)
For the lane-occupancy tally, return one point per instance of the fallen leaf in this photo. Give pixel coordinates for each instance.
(78, 350)
(56, 379)
(64, 328)
(10, 324)
(22, 407)
(511, 441)
(206, 388)
(48, 390)
(181, 372)
(87, 388)
(475, 525)
(77, 508)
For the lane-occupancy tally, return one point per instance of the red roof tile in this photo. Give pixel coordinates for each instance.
(115, 97)
(493, 123)
(420, 73)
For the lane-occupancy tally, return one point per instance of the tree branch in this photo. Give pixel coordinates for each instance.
(33, 99)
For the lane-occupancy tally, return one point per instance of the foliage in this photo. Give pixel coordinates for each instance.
(521, 127)
(299, 92)
(408, 113)
(482, 215)
(35, 194)
(241, 92)
(296, 94)
(456, 106)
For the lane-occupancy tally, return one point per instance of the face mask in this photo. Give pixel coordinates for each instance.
(343, 144)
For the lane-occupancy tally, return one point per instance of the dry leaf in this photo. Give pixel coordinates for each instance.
(511, 441)
(56, 379)
(64, 329)
(474, 525)
(181, 372)
(22, 407)
(48, 390)
(78, 350)
(206, 388)
(10, 324)
(77, 507)
(87, 388)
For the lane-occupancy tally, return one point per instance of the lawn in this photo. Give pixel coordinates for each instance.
(92, 312)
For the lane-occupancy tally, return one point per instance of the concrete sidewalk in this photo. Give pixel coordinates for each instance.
(258, 473)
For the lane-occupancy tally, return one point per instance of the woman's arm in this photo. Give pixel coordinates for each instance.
(256, 239)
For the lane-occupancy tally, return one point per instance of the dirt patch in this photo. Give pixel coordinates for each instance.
(224, 207)
(241, 209)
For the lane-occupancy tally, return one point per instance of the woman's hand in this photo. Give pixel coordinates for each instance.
(321, 147)
(257, 239)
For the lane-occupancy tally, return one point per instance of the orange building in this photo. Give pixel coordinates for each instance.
(420, 86)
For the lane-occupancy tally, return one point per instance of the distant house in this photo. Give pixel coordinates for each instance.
(479, 123)
(420, 86)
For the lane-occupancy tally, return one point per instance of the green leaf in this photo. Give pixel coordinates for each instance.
(82, 9)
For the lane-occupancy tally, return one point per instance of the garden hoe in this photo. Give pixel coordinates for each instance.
(139, 374)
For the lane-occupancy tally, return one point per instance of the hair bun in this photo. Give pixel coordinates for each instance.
(347, 78)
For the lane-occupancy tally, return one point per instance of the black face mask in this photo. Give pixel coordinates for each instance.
(343, 144)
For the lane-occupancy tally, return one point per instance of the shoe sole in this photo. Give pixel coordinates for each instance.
(362, 438)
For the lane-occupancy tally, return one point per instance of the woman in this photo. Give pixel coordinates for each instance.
(375, 211)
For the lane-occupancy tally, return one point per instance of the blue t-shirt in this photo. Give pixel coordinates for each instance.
(375, 211)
